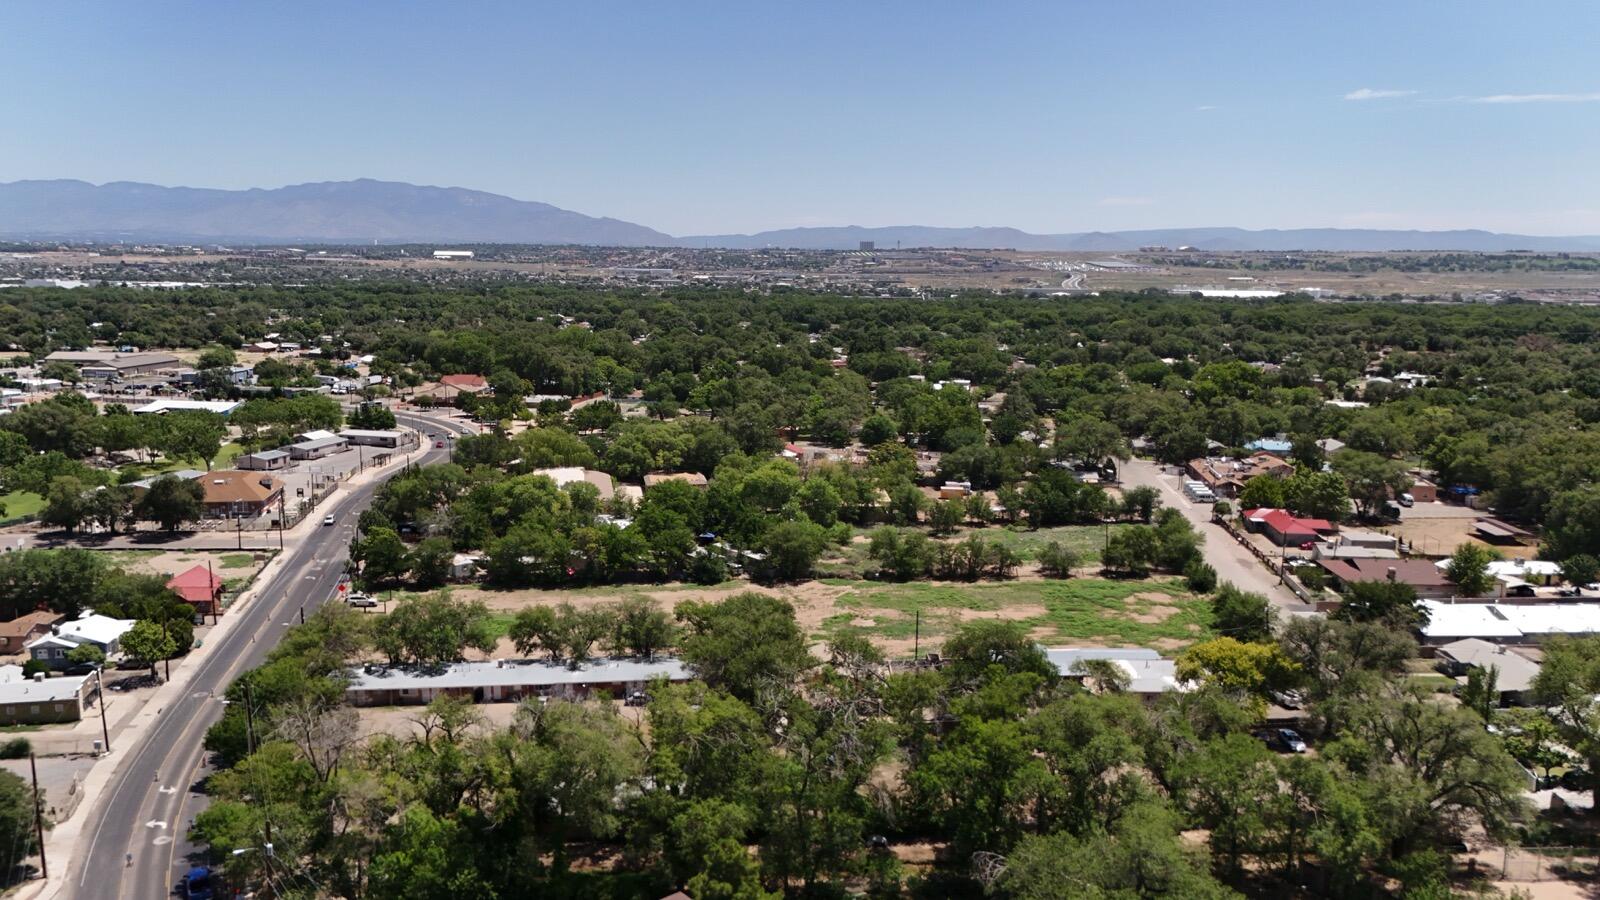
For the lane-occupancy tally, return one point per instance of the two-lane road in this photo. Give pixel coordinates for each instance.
(145, 812)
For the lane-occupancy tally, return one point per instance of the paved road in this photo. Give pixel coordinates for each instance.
(1232, 562)
(148, 809)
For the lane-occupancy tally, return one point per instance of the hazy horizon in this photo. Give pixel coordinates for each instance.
(700, 119)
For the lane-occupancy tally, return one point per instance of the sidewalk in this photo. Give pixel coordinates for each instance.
(62, 842)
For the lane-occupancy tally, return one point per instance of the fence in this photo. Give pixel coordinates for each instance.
(1549, 863)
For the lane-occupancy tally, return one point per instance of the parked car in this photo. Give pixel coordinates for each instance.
(1570, 590)
(328, 519)
(1407, 500)
(1289, 741)
(196, 884)
(1289, 699)
(82, 669)
(637, 698)
(1521, 590)
(361, 600)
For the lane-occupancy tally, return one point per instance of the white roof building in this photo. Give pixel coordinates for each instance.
(1509, 623)
(157, 407)
(1148, 672)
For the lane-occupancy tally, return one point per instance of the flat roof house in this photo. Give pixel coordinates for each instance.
(1507, 623)
(1148, 673)
(233, 494)
(1514, 672)
(507, 681)
(263, 460)
(693, 479)
(566, 475)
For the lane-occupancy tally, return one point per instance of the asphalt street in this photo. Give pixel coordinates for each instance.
(153, 798)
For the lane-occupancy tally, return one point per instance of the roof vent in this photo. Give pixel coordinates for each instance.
(38, 676)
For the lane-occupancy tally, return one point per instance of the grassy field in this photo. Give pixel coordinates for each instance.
(19, 504)
(1086, 540)
(1151, 613)
(224, 458)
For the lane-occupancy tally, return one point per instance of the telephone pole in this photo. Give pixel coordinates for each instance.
(100, 687)
(38, 816)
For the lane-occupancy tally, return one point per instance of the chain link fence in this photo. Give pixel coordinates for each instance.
(1549, 863)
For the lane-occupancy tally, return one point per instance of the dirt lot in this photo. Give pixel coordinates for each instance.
(235, 569)
(901, 618)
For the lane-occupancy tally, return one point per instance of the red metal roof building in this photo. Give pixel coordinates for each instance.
(199, 586)
(1285, 528)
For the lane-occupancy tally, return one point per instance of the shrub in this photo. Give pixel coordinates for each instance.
(34, 666)
(1057, 560)
(16, 748)
(1201, 577)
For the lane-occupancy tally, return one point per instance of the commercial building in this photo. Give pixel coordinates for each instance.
(507, 681)
(263, 460)
(40, 700)
(373, 438)
(232, 494)
(1284, 528)
(125, 364)
(1507, 623)
(157, 407)
(317, 448)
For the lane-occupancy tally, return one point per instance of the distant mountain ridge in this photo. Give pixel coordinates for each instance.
(390, 212)
(351, 212)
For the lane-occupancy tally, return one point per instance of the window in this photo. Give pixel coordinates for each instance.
(11, 710)
(60, 708)
(33, 710)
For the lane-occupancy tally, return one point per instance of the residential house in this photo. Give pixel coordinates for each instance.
(1514, 672)
(1149, 675)
(565, 475)
(1423, 577)
(199, 587)
(1278, 446)
(693, 479)
(1285, 529)
(1225, 476)
(91, 628)
(466, 384)
(15, 634)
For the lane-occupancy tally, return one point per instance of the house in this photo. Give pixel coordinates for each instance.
(1514, 673)
(1506, 623)
(100, 631)
(1225, 476)
(1330, 446)
(15, 634)
(232, 494)
(507, 681)
(317, 448)
(463, 567)
(1376, 540)
(39, 700)
(199, 587)
(1286, 529)
(263, 460)
(1277, 446)
(693, 479)
(566, 475)
(143, 484)
(1427, 580)
(1509, 573)
(1423, 491)
(1148, 673)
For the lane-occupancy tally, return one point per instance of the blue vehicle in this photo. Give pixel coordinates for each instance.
(196, 884)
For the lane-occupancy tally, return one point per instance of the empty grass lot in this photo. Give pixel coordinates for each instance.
(19, 505)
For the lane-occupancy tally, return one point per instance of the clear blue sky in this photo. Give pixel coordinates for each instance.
(709, 117)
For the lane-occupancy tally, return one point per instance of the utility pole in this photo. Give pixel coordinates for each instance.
(211, 585)
(238, 531)
(100, 687)
(38, 816)
(916, 639)
(281, 516)
(249, 719)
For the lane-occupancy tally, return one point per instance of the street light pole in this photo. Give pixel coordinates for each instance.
(100, 687)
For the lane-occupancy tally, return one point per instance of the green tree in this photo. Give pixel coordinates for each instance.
(382, 557)
(16, 820)
(1392, 603)
(1580, 569)
(946, 516)
(1567, 683)
(1373, 479)
(194, 436)
(743, 644)
(147, 643)
(1317, 495)
(66, 505)
(1263, 492)
(171, 501)
(792, 549)
(1058, 560)
(1469, 569)
(432, 629)
(1242, 615)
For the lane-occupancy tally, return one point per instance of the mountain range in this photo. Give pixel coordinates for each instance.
(388, 212)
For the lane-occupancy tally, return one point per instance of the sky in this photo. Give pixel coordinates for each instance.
(697, 117)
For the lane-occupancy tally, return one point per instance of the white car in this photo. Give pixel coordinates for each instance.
(328, 519)
(361, 600)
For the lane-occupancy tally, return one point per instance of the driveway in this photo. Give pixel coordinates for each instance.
(1232, 562)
